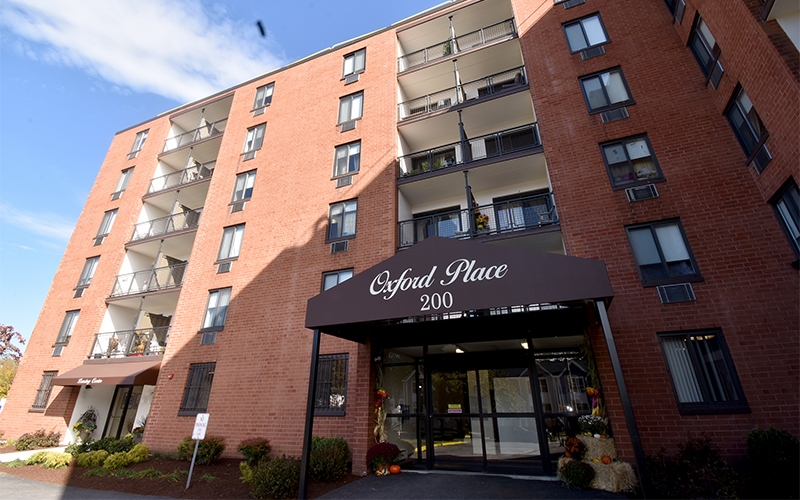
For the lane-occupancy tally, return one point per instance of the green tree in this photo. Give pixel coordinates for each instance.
(8, 368)
(7, 348)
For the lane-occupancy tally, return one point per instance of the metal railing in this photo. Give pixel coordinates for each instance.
(210, 129)
(125, 343)
(450, 46)
(165, 225)
(455, 95)
(501, 217)
(485, 146)
(194, 173)
(149, 280)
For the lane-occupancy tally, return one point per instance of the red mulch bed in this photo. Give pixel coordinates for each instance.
(226, 483)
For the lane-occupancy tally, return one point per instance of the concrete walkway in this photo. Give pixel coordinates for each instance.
(24, 455)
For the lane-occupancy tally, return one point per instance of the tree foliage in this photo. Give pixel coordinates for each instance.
(8, 368)
(7, 348)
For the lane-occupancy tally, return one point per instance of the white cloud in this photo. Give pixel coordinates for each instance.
(45, 224)
(178, 49)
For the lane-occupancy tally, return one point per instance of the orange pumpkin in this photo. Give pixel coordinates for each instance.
(568, 454)
(394, 469)
(606, 459)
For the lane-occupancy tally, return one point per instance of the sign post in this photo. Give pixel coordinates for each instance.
(198, 434)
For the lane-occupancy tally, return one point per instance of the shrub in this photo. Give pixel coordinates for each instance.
(773, 457)
(50, 459)
(247, 472)
(117, 461)
(91, 458)
(279, 478)
(255, 450)
(209, 450)
(76, 449)
(697, 471)
(328, 460)
(38, 439)
(151, 473)
(382, 453)
(111, 445)
(138, 453)
(576, 474)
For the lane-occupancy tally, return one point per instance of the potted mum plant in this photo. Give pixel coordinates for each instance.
(86, 424)
(381, 456)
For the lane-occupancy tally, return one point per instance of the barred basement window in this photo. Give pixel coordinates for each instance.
(331, 389)
(43, 394)
(198, 389)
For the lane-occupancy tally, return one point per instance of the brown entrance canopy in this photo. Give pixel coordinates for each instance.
(126, 372)
(440, 275)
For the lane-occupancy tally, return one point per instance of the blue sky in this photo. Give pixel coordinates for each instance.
(75, 72)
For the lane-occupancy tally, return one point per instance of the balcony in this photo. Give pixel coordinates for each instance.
(210, 129)
(127, 343)
(446, 48)
(165, 225)
(503, 217)
(493, 84)
(194, 173)
(150, 280)
(497, 144)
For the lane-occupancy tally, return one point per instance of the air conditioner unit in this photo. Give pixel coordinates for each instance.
(249, 155)
(670, 294)
(352, 78)
(351, 125)
(593, 52)
(571, 3)
(237, 207)
(638, 193)
(614, 115)
(339, 246)
(224, 267)
(344, 181)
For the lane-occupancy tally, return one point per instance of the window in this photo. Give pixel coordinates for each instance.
(330, 280)
(662, 253)
(347, 159)
(342, 219)
(243, 189)
(350, 107)
(216, 311)
(585, 33)
(231, 242)
(67, 327)
(354, 63)
(198, 388)
(749, 130)
(702, 374)
(43, 394)
(706, 51)
(787, 206)
(105, 226)
(253, 141)
(122, 184)
(263, 98)
(630, 162)
(138, 144)
(605, 90)
(331, 388)
(86, 276)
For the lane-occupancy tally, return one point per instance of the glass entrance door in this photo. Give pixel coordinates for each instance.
(123, 410)
(484, 420)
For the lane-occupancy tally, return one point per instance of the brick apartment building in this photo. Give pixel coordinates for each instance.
(531, 197)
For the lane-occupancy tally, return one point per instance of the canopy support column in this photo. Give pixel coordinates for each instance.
(624, 397)
(312, 396)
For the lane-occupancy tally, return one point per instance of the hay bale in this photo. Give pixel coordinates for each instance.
(596, 448)
(615, 477)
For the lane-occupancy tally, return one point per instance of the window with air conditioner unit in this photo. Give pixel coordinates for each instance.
(347, 159)
(354, 65)
(342, 220)
(706, 51)
(105, 226)
(229, 247)
(242, 190)
(253, 141)
(662, 253)
(749, 129)
(86, 276)
(586, 36)
(350, 110)
(606, 91)
(263, 98)
(215, 315)
(122, 183)
(631, 162)
(138, 144)
(65, 332)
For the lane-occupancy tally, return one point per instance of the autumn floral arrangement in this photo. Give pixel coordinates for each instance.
(86, 423)
(574, 448)
(381, 456)
(481, 221)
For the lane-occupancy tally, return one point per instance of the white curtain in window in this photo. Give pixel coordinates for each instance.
(637, 149)
(671, 242)
(644, 248)
(680, 367)
(615, 87)
(349, 219)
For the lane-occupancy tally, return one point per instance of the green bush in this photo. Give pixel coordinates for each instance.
(111, 445)
(117, 461)
(38, 439)
(91, 458)
(209, 450)
(247, 472)
(329, 458)
(279, 478)
(576, 474)
(255, 450)
(50, 459)
(696, 471)
(138, 453)
(76, 449)
(773, 457)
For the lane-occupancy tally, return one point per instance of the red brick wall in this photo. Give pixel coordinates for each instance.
(749, 289)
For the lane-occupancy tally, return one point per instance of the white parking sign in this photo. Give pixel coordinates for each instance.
(200, 426)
